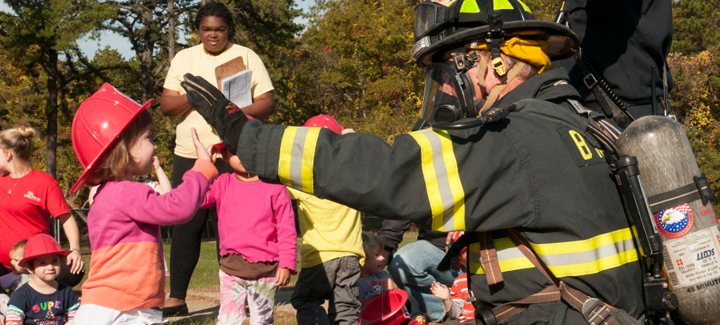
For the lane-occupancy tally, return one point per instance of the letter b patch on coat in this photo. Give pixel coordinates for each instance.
(583, 151)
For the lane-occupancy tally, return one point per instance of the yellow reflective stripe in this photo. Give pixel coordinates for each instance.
(470, 6)
(297, 157)
(458, 194)
(575, 258)
(510, 258)
(442, 180)
(528, 8)
(286, 155)
(308, 160)
(594, 267)
(590, 256)
(502, 4)
(583, 245)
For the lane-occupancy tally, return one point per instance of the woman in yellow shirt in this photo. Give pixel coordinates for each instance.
(216, 28)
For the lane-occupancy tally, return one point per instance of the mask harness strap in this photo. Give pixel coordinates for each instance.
(495, 92)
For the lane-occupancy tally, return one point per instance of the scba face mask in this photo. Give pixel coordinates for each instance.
(449, 95)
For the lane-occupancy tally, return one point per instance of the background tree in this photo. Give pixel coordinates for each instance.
(355, 63)
(146, 25)
(38, 36)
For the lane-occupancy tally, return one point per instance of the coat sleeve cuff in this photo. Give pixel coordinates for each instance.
(206, 168)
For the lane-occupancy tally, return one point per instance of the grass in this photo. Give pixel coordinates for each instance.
(205, 277)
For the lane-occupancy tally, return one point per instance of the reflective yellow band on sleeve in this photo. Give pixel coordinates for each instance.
(442, 180)
(297, 157)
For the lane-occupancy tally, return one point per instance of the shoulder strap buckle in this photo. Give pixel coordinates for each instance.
(590, 81)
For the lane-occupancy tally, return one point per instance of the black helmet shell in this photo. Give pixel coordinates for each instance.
(474, 26)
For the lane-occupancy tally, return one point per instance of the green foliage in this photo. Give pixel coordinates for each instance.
(696, 26)
(355, 63)
(697, 106)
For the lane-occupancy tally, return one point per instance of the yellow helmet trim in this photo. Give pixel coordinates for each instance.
(470, 7)
(502, 5)
(528, 8)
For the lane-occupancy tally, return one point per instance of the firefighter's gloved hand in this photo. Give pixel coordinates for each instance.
(227, 119)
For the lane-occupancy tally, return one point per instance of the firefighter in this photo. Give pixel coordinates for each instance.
(525, 179)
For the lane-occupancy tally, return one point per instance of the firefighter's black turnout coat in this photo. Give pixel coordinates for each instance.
(537, 171)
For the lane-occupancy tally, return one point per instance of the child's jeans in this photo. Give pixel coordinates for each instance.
(334, 280)
(259, 293)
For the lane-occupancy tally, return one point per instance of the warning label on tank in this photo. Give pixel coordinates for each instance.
(694, 259)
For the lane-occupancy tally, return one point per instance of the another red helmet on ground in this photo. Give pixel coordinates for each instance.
(385, 309)
(40, 245)
(325, 121)
(98, 123)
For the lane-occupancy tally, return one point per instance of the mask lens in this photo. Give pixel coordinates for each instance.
(440, 99)
(426, 15)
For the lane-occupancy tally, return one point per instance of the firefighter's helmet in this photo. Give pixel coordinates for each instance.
(441, 26)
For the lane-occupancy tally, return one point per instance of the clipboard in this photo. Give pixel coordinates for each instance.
(228, 69)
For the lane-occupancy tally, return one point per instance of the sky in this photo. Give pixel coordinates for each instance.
(123, 45)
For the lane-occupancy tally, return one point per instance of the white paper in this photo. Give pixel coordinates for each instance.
(236, 88)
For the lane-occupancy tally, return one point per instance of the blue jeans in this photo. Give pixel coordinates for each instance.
(414, 268)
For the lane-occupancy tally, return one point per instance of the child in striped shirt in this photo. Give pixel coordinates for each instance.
(456, 305)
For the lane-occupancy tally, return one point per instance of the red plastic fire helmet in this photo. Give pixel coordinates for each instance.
(385, 309)
(98, 123)
(40, 245)
(325, 121)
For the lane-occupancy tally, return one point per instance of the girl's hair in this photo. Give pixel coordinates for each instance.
(19, 140)
(372, 244)
(214, 9)
(115, 163)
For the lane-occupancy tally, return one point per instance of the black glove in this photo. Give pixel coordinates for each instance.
(227, 119)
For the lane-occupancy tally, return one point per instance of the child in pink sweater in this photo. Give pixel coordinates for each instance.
(258, 242)
(112, 138)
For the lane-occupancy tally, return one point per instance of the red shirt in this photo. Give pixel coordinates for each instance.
(459, 294)
(26, 211)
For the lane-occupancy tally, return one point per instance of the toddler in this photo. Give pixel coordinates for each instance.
(458, 309)
(258, 243)
(112, 138)
(331, 254)
(43, 300)
(13, 280)
(373, 280)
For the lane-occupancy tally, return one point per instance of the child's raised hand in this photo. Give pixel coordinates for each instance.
(440, 291)
(156, 162)
(282, 277)
(388, 284)
(202, 153)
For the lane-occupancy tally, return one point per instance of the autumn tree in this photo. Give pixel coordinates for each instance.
(355, 64)
(147, 24)
(42, 35)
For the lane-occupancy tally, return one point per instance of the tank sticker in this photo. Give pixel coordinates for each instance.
(708, 212)
(694, 260)
(675, 222)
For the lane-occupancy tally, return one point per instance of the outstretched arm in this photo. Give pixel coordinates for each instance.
(418, 178)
